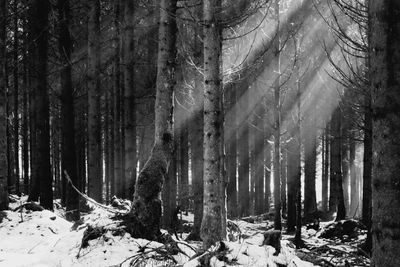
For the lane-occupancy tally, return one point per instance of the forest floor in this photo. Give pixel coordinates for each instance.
(45, 238)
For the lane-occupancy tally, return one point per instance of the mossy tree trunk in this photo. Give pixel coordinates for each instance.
(147, 197)
(385, 78)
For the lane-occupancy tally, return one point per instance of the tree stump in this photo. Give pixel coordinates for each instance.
(273, 238)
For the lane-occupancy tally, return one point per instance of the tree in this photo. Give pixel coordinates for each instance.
(3, 138)
(336, 199)
(16, 94)
(129, 96)
(310, 155)
(277, 127)
(385, 77)
(94, 123)
(40, 11)
(212, 225)
(147, 205)
(68, 156)
(196, 131)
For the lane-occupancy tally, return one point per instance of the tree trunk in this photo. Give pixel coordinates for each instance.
(243, 157)
(129, 97)
(196, 134)
(41, 10)
(310, 151)
(231, 152)
(3, 121)
(277, 127)
(116, 187)
(292, 173)
(184, 167)
(284, 180)
(95, 181)
(325, 177)
(212, 225)
(367, 163)
(385, 78)
(25, 122)
(267, 171)
(68, 156)
(147, 204)
(336, 200)
(297, 162)
(345, 164)
(353, 179)
(259, 158)
(16, 99)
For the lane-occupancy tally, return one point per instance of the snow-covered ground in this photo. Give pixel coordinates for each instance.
(45, 238)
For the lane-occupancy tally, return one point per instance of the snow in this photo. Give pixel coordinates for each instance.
(45, 238)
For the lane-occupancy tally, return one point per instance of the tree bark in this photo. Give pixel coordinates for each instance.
(68, 156)
(353, 179)
(259, 158)
(147, 203)
(95, 181)
(212, 225)
(3, 133)
(184, 167)
(243, 157)
(129, 97)
(277, 127)
(116, 187)
(16, 99)
(40, 13)
(336, 200)
(310, 151)
(292, 172)
(231, 152)
(385, 77)
(196, 134)
(325, 177)
(267, 171)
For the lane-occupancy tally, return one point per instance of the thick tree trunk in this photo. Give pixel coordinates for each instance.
(336, 200)
(68, 156)
(147, 203)
(212, 225)
(95, 181)
(367, 163)
(3, 121)
(385, 77)
(129, 97)
(196, 134)
(40, 13)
